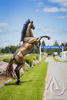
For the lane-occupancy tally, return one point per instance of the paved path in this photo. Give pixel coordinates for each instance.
(56, 81)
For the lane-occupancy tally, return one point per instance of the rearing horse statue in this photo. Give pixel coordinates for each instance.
(20, 53)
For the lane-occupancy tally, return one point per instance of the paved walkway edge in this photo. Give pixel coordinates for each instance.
(5, 83)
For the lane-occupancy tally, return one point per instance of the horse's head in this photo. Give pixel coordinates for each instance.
(27, 29)
(31, 25)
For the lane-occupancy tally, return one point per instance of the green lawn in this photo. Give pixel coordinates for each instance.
(32, 87)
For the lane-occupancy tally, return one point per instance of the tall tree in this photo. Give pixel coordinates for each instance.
(43, 44)
(56, 43)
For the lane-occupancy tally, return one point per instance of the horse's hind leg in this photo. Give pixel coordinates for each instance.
(21, 62)
(17, 71)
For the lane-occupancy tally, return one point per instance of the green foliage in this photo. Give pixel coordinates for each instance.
(10, 49)
(43, 44)
(13, 49)
(29, 59)
(56, 43)
(36, 55)
(64, 46)
(0, 52)
(7, 59)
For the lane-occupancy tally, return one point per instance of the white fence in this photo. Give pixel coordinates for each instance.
(64, 55)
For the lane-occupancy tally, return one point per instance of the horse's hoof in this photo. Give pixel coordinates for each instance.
(18, 83)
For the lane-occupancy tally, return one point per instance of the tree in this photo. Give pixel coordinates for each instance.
(10, 49)
(13, 49)
(62, 44)
(56, 43)
(43, 44)
(0, 52)
(65, 47)
(5, 50)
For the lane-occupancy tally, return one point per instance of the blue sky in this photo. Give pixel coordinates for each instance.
(49, 16)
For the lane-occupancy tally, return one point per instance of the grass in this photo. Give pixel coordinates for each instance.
(32, 88)
(57, 60)
(1, 82)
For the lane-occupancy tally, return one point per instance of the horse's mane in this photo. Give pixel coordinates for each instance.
(23, 33)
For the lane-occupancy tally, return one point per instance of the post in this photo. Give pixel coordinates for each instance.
(40, 54)
(62, 52)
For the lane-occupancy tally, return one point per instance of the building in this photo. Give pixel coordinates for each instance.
(64, 55)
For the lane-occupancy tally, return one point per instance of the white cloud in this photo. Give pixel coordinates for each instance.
(54, 9)
(8, 31)
(50, 42)
(60, 2)
(11, 31)
(48, 30)
(3, 24)
(3, 44)
(6, 43)
(62, 17)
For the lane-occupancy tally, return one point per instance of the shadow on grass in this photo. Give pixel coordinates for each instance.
(14, 83)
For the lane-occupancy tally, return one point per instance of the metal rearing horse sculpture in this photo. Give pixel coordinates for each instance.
(29, 40)
(19, 56)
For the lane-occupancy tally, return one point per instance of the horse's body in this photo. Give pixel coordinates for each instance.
(23, 50)
(18, 56)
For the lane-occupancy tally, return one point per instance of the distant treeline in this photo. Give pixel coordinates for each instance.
(12, 49)
(9, 49)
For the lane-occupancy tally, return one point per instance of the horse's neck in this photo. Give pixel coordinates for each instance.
(29, 32)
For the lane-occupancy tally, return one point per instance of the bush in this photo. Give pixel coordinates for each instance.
(29, 59)
(37, 56)
(7, 60)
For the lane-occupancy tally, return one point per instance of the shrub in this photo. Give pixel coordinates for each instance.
(7, 59)
(29, 58)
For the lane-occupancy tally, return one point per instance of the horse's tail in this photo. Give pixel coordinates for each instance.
(9, 68)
